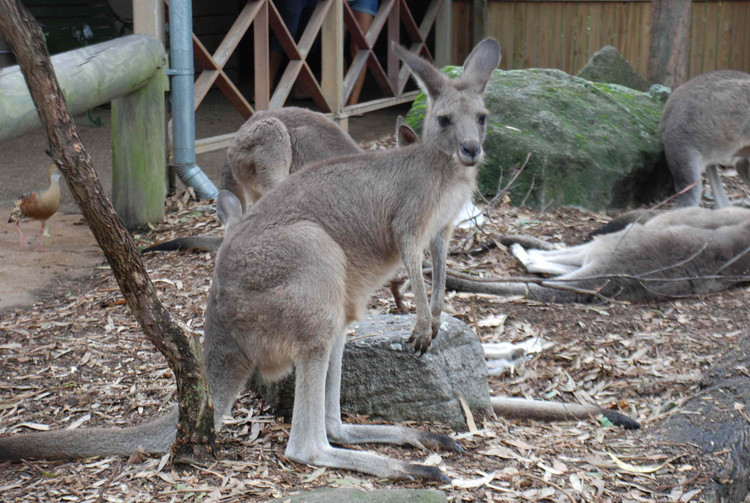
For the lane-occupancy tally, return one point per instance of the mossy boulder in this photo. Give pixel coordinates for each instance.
(592, 145)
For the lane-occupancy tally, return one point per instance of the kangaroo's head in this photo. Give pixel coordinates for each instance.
(456, 117)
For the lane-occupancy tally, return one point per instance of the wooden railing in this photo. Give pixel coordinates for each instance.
(565, 34)
(327, 21)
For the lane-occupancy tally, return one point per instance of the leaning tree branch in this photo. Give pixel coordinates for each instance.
(195, 437)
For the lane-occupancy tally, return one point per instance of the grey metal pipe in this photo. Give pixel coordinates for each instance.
(183, 99)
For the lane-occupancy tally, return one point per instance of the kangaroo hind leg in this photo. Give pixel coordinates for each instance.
(340, 433)
(308, 442)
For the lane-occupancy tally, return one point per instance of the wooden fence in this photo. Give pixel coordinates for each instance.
(564, 34)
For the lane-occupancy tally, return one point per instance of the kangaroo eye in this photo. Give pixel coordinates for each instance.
(482, 119)
(444, 121)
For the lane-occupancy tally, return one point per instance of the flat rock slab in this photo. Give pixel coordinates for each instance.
(383, 378)
(349, 495)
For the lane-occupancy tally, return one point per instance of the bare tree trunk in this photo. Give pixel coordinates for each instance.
(195, 435)
(668, 48)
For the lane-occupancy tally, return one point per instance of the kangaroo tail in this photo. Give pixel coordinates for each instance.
(153, 437)
(198, 243)
(521, 408)
(511, 289)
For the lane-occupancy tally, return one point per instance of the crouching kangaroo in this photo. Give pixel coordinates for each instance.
(300, 264)
(678, 253)
(705, 123)
(267, 149)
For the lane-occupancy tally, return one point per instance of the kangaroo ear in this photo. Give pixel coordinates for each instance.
(228, 207)
(405, 135)
(428, 78)
(479, 65)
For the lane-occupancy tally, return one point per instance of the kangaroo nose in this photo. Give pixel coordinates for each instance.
(471, 149)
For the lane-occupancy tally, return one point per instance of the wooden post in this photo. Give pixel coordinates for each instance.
(668, 45)
(262, 66)
(139, 136)
(479, 21)
(148, 18)
(332, 60)
(139, 154)
(443, 34)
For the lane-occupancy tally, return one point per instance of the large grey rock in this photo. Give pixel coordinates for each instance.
(592, 145)
(609, 67)
(350, 495)
(382, 377)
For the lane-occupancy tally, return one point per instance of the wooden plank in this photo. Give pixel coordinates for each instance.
(236, 32)
(202, 55)
(282, 33)
(697, 35)
(314, 24)
(234, 95)
(742, 49)
(479, 16)
(355, 32)
(580, 50)
(569, 15)
(202, 85)
(148, 18)
(284, 87)
(393, 35)
(543, 31)
(379, 22)
(358, 65)
(309, 83)
(556, 39)
(724, 50)
(332, 58)
(644, 38)
(501, 26)
(262, 79)
(461, 26)
(429, 18)
(531, 27)
(443, 33)
(711, 38)
(595, 30)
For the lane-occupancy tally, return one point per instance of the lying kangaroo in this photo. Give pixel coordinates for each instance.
(301, 264)
(705, 123)
(683, 252)
(267, 148)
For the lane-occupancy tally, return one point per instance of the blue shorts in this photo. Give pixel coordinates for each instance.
(367, 6)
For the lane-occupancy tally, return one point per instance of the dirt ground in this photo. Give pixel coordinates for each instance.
(76, 358)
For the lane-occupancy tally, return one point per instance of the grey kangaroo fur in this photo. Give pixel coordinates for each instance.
(300, 265)
(678, 253)
(705, 123)
(269, 147)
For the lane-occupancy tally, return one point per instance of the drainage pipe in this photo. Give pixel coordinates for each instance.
(183, 100)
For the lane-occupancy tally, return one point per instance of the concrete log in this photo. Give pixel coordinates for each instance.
(89, 77)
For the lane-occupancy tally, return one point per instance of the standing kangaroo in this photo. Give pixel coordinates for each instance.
(706, 122)
(269, 147)
(300, 265)
(683, 252)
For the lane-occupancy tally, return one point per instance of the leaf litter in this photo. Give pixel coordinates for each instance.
(80, 360)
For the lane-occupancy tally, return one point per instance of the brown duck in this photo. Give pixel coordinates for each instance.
(37, 206)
